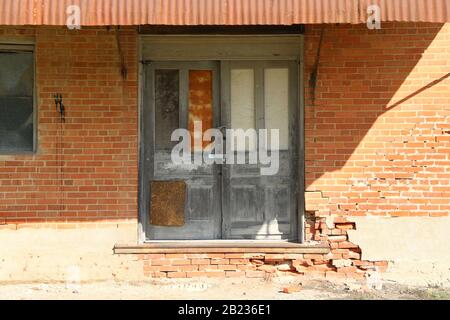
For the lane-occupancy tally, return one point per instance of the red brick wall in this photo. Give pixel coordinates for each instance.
(378, 133)
(250, 265)
(85, 169)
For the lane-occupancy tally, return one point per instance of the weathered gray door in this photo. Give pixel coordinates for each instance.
(228, 201)
(260, 95)
(176, 95)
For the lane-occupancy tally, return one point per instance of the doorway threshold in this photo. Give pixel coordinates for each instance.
(222, 246)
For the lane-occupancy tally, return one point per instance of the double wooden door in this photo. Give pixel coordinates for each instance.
(224, 200)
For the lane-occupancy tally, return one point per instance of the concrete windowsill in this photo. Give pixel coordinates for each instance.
(221, 246)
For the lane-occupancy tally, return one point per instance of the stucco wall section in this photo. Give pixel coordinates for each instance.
(418, 248)
(67, 255)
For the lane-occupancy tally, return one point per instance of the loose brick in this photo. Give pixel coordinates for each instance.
(160, 262)
(190, 267)
(180, 262)
(220, 261)
(201, 261)
(164, 268)
(239, 261)
(255, 274)
(215, 255)
(175, 256)
(207, 267)
(226, 267)
(176, 275)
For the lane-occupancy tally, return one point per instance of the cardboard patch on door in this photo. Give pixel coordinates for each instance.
(167, 203)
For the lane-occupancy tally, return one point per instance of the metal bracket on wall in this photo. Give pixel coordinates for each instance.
(60, 106)
(123, 67)
(314, 73)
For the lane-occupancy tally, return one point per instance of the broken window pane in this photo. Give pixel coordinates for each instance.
(16, 101)
(200, 103)
(276, 104)
(167, 101)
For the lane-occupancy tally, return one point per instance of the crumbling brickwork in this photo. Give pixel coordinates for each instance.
(251, 265)
(377, 130)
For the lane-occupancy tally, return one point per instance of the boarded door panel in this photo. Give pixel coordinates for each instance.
(168, 200)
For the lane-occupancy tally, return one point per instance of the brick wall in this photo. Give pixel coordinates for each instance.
(86, 169)
(250, 265)
(377, 133)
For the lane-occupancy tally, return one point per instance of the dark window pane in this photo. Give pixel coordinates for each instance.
(16, 102)
(167, 101)
(16, 74)
(16, 124)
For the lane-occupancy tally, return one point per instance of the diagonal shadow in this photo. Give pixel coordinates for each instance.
(360, 72)
(412, 95)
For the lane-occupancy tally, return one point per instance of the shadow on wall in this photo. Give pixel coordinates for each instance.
(378, 132)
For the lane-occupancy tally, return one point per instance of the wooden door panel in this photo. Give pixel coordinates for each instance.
(244, 198)
(165, 168)
(200, 202)
(277, 199)
(181, 93)
(257, 206)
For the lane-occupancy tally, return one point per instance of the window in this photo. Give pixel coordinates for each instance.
(266, 83)
(173, 87)
(16, 99)
(276, 103)
(167, 99)
(200, 103)
(243, 116)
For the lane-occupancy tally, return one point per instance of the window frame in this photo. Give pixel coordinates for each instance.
(24, 47)
(259, 86)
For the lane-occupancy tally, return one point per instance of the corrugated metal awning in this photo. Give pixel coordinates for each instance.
(218, 12)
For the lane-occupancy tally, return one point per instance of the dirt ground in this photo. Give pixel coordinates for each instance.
(220, 289)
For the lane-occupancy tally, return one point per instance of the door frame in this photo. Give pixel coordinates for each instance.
(166, 48)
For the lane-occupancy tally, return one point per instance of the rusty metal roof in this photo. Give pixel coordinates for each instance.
(218, 12)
